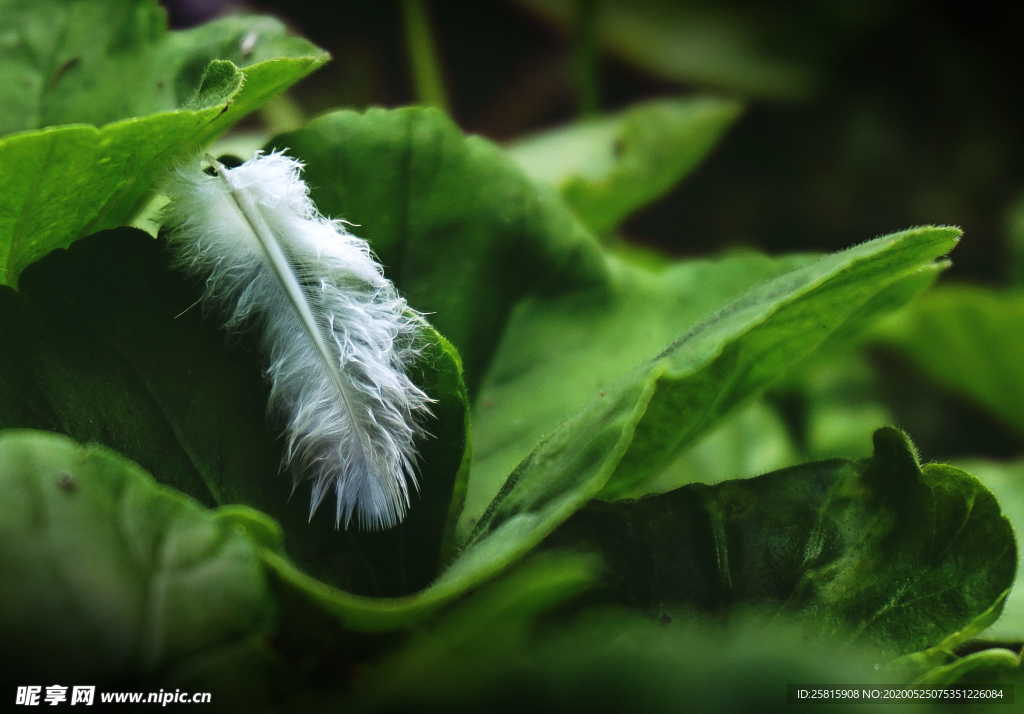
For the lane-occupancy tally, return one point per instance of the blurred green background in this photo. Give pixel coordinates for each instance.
(861, 118)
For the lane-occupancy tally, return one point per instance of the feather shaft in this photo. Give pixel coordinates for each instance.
(282, 269)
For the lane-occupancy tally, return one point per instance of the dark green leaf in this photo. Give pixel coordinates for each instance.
(108, 575)
(1006, 481)
(880, 552)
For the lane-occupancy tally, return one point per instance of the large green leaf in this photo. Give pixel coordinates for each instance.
(559, 355)
(606, 168)
(969, 340)
(109, 576)
(880, 551)
(103, 343)
(104, 101)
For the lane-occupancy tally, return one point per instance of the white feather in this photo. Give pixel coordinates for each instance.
(338, 336)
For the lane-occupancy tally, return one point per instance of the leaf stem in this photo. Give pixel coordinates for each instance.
(424, 63)
(584, 58)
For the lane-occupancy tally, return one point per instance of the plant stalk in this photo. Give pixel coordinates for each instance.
(424, 62)
(584, 59)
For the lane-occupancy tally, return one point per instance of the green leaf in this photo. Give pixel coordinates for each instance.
(1006, 481)
(93, 138)
(834, 398)
(67, 60)
(608, 167)
(105, 345)
(692, 43)
(560, 355)
(557, 354)
(967, 339)
(108, 575)
(880, 552)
